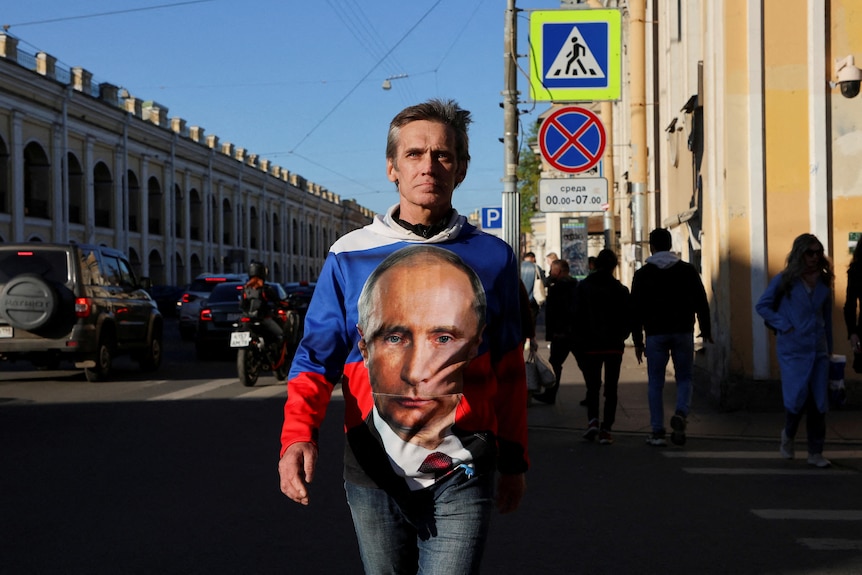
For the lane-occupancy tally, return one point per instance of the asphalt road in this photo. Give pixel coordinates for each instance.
(172, 474)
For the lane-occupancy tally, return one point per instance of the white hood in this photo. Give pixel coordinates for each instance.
(663, 259)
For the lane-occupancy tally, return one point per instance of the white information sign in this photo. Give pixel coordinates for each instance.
(573, 195)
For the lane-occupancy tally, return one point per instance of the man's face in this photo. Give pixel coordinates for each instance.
(425, 166)
(423, 335)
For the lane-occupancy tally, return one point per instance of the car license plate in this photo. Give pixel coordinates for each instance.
(240, 338)
(6, 331)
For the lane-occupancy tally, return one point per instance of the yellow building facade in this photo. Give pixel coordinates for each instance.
(749, 143)
(752, 143)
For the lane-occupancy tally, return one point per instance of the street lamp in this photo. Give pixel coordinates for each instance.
(387, 84)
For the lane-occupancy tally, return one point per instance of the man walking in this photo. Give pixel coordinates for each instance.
(602, 324)
(529, 271)
(559, 323)
(404, 526)
(667, 294)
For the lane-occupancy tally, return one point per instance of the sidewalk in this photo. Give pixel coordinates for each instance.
(762, 419)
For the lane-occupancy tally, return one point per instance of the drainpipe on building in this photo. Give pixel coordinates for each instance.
(637, 172)
(607, 115)
(124, 242)
(64, 166)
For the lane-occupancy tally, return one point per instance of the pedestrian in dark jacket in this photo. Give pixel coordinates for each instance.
(602, 323)
(559, 323)
(852, 315)
(667, 294)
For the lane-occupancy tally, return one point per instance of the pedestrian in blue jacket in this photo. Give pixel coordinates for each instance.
(797, 304)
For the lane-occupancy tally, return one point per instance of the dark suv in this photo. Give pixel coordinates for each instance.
(77, 302)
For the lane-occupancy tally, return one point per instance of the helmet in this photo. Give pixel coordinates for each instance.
(257, 269)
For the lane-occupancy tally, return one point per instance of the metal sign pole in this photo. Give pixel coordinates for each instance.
(511, 197)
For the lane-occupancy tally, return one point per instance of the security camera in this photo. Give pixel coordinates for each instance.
(849, 76)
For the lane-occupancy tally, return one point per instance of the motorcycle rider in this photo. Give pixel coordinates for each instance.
(259, 302)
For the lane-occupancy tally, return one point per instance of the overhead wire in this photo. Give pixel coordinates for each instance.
(367, 74)
(111, 13)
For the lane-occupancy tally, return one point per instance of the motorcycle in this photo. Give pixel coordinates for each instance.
(255, 354)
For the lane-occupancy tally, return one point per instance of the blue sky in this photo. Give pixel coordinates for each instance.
(298, 82)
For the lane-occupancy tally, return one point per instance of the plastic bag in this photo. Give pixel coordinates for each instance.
(837, 391)
(539, 291)
(539, 373)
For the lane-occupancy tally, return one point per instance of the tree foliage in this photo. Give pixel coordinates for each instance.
(529, 170)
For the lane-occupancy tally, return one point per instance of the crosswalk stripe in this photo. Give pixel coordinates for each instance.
(825, 544)
(264, 392)
(772, 454)
(762, 471)
(194, 390)
(722, 454)
(810, 514)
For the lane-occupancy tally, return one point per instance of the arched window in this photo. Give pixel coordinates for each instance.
(75, 177)
(103, 196)
(227, 215)
(37, 182)
(213, 228)
(197, 268)
(255, 227)
(157, 268)
(4, 177)
(134, 202)
(154, 207)
(196, 211)
(295, 237)
(179, 226)
(276, 232)
(180, 266)
(135, 262)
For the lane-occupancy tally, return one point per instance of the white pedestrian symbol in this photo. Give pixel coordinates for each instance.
(575, 59)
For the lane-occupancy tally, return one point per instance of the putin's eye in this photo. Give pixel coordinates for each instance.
(392, 338)
(444, 338)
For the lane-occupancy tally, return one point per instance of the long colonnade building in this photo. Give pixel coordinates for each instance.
(87, 162)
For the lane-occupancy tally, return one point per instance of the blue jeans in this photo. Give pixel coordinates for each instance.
(439, 530)
(659, 348)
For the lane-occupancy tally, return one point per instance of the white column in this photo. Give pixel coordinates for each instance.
(818, 148)
(90, 195)
(757, 187)
(16, 146)
(59, 197)
(144, 210)
(121, 237)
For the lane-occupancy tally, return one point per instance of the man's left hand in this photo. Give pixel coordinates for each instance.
(510, 491)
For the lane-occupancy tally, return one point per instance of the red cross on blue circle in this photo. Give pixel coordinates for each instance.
(572, 139)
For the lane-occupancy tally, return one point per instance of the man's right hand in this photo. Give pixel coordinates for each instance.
(296, 470)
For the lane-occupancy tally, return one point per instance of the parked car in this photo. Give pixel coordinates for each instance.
(299, 295)
(198, 290)
(75, 302)
(166, 298)
(219, 312)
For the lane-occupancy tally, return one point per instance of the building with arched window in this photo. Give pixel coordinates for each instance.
(87, 162)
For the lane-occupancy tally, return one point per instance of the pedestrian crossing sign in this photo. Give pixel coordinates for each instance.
(575, 55)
